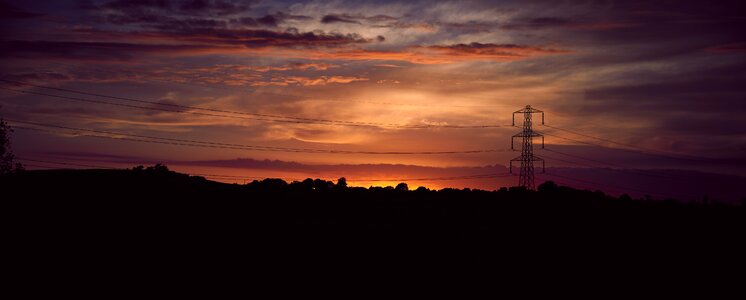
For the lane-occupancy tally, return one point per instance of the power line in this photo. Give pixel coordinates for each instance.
(573, 140)
(611, 169)
(660, 152)
(159, 141)
(64, 163)
(643, 151)
(39, 166)
(188, 106)
(175, 111)
(110, 168)
(254, 90)
(113, 168)
(255, 116)
(476, 176)
(637, 171)
(592, 166)
(186, 142)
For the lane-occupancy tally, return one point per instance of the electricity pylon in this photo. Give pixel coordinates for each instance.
(527, 158)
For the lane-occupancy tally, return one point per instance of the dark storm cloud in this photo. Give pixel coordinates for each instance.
(267, 38)
(490, 49)
(456, 28)
(272, 20)
(705, 101)
(536, 23)
(8, 11)
(268, 20)
(202, 13)
(561, 23)
(216, 7)
(657, 23)
(169, 15)
(470, 26)
(165, 23)
(729, 48)
(40, 77)
(381, 18)
(188, 7)
(204, 22)
(337, 19)
(162, 18)
(356, 19)
(720, 84)
(629, 31)
(246, 21)
(284, 17)
(89, 50)
(192, 42)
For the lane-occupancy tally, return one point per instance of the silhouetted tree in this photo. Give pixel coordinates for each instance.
(322, 185)
(341, 183)
(547, 186)
(7, 158)
(305, 185)
(402, 187)
(158, 168)
(269, 184)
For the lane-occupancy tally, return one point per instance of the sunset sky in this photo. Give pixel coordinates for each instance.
(649, 85)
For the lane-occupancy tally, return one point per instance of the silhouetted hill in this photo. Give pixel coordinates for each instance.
(155, 214)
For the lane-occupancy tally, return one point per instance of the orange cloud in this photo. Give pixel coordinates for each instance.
(289, 67)
(307, 81)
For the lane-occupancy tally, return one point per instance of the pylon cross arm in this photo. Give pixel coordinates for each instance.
(528, 110)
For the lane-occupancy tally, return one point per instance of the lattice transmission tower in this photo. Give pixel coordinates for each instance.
(527, 158)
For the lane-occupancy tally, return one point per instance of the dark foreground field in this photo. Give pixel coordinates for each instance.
(148, 218)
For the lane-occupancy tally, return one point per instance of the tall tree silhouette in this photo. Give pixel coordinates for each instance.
(341, 183)
(7, 157)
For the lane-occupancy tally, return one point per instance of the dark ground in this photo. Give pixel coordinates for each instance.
(100, 220)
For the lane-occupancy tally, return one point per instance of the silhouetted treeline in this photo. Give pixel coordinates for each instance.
(322, 222)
